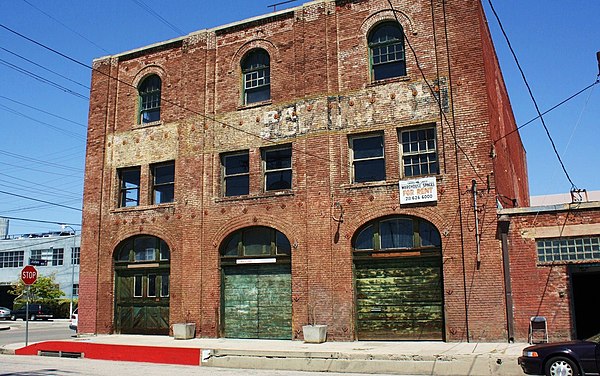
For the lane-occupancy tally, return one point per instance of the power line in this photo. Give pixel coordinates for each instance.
(43, 111)
(40, 221)
(50, 164)
(65, 26)
(42, 79)
(45, 68)
(58, 129)
(42, 201)
(151, 11)
(531, 94)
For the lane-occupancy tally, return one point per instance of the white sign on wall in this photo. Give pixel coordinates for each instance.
(418, 190)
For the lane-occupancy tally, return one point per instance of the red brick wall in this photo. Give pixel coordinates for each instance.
(321, 94)
(543, 289)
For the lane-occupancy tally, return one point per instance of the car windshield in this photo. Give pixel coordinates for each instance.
(594, 338)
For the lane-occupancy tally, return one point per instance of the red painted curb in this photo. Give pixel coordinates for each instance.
(127, 353)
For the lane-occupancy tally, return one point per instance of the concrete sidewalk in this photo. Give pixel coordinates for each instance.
(372, 357)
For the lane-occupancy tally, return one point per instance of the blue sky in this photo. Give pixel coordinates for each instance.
(43, 96)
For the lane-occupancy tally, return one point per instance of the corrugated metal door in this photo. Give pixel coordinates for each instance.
(257, 301)
(399, 299)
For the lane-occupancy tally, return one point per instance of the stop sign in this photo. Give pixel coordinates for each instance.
(29, 275)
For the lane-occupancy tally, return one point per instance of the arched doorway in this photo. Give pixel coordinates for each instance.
(142, 270)
(256, 284)
(398, 280)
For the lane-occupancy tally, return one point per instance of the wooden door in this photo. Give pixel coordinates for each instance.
(257, 301)
(399, 299)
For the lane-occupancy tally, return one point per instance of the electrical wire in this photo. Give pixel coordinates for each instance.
(38, 200)
(58, 129)
(531, 94)
(44, 111)
(151, 11)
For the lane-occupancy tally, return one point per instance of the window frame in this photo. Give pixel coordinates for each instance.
(373, 45)
(150, 94)
(54, 256)
(419, 153)
(225, 176)
(171, 183)
(75, 255)
(12, 259)
(354, 160)
(270, 171)
(124, 190)
(279, 243)
(256, 73)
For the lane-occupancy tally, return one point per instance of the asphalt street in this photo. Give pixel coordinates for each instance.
(38, 331)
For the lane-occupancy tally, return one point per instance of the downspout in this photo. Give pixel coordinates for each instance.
(503, 226)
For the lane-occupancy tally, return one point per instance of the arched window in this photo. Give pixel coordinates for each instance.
(149, 101)
(386, 49)
(256, 76)
(397, 234)
(255, 242)
(143, 249)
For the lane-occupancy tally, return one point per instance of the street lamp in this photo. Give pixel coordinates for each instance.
(72, 267)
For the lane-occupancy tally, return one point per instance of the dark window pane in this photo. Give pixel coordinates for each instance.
(367, 147)
(236, 164)
(150, 92)
(164, 285)
(256, 76)
(389, 70)
(430, 236)
(278, 180)
(237, 185)
(364, 240)
(151, 285)
(369, 170)
(283, 244)
(130, 187)
(164, 183)
(164, 174)
(258, 95)
(257, 242)
(165, 252)
(396, 233)
(137, 286)
(276, 159)
(231, 247)
(164, 194)
(145, 248)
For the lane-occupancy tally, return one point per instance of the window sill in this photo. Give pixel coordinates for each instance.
(388, 81)
(148, 125)
(369, 184)
(270, 194)
(140, 208)
(255, 104)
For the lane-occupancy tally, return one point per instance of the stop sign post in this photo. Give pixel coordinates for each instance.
(29, 275)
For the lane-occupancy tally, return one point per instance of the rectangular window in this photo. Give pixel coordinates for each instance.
(129, 187)
(569, 250)
(151, 285)
(137, 286)
(11, 259)
(278, 168)
(419, 152)
(164, 285)
(368, 160)
(236, 174)
(76, 289)
(163, 183)
(54, 256)
(75, 255)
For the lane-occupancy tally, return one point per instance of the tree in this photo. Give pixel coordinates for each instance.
(45, 290)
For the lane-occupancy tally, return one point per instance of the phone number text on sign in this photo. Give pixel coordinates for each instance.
(418, 190)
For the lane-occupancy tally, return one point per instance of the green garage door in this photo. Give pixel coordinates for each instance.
(257, 301)
(399, 299)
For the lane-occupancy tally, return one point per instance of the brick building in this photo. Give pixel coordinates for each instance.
(553, 252)
(337, 163)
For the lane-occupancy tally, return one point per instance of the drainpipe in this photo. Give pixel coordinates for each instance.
(503, 226)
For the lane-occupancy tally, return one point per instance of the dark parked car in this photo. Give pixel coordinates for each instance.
(572, 358)
(36, 312)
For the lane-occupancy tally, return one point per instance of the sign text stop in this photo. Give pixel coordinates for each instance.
(29, 275)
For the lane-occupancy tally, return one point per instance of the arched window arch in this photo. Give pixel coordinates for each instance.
(397, 234)
(142, 248)
(255, 242)
(386, 51)
(256, 76)
(149, 99)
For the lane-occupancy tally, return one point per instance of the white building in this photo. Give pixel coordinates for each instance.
(58, 250)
